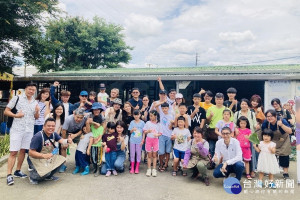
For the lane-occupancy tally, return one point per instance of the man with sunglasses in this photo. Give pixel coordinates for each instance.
(135, 101)
(83, 103)
(228, 154)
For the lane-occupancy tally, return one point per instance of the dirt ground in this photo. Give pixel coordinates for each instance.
(137, 186)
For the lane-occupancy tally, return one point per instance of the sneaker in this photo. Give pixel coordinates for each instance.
(206, 181)
(272, 185)
(62, 169)
(52, 178)
(154, 172)
(29, 169)
(10, 180)
(259, 184)
(148, 173)
(115, 173)
(108, 173)
(32, 182)
(20, 174)
(286, 176)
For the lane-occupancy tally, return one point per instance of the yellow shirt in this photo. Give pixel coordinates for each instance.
(205, 105)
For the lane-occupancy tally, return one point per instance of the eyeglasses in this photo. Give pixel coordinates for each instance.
(135, 92)
(226, 133)
(84, 96)
(269, 116)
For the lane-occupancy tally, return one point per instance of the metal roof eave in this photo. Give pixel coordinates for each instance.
(181, 77)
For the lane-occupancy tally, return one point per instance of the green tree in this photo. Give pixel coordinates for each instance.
(75, 43)
(19, 19)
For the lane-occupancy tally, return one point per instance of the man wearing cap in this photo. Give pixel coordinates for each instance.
(102, 95)
(114, 113)
(172, 92)
(197, 114)
(83, 103)
(135, 101)
(162, 99)
(232, 103)
(65, 96)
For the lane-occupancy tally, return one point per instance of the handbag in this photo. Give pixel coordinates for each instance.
(211, 134)
(11, 119)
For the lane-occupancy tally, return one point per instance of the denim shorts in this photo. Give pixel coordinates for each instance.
(165, 145)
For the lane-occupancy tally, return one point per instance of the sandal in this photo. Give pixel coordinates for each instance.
(184, 174)
(248, 177)
(161, 169)
(174, 173)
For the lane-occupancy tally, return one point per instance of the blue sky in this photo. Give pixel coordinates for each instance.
(167, 33)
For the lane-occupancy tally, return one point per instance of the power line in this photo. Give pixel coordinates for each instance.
(268, 60)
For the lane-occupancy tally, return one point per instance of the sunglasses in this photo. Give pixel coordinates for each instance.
(84, 95)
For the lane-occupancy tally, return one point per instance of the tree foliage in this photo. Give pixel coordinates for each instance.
(75, 43)
(19, 19)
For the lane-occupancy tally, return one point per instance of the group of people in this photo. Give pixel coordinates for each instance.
(197, 138)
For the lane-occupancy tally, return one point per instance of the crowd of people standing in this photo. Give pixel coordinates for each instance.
(195, 138)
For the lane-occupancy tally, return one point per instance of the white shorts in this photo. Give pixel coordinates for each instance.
(20, 140)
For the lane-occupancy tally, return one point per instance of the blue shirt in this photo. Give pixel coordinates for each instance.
(136, 136)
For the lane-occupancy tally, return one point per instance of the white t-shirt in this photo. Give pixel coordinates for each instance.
(103, 96)
(165, 121)
(84, 143)
(154, 127)
(66, 105)
(181, 141)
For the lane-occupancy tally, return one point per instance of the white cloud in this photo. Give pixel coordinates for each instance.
(138, 26)
(236, 36)
(170, 33)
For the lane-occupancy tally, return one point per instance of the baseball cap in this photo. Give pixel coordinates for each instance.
(162, 91)
(178, 96)
(84, 93)
(102, 86)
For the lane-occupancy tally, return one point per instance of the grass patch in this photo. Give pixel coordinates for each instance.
(4, 145)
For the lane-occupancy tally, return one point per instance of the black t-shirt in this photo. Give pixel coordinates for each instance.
(235, 108)
(196, 121)
(37, 140)
(111, 141)
(134, 102)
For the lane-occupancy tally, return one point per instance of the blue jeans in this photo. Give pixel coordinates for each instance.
(110, 159)
(212, 146)
(119, 163)
(236, 168)
(37, 128)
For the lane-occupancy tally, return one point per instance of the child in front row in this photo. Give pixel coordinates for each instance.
(153, 131)
(97, 128)
(181, 136)
(83, 152)
(242, 135)
(267, 162)
(136, 141)
(109, 141)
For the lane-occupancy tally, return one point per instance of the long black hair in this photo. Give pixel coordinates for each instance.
(62, 117)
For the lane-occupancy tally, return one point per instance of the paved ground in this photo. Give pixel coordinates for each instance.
(127, 186)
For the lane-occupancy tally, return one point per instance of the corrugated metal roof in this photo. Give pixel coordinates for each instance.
(257, 72)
